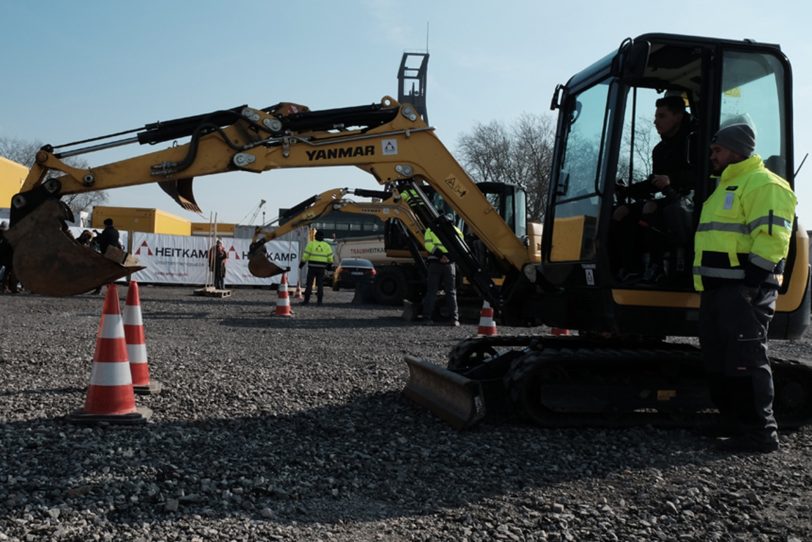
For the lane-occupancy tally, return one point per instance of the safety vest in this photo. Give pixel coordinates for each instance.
(318, 253)
(746, 220)
(434, 245)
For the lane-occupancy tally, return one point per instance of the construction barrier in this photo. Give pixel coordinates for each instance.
(110, 396)
(135, 336)
(283, 304)
(487, 326)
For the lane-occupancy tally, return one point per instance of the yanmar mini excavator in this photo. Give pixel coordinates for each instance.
(620, 368)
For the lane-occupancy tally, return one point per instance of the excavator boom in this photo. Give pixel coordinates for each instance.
(386, 139)
(391, 208)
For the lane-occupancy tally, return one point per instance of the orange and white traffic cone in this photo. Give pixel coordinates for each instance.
(487, 327)
(137, 344)
(297, 293)
(283, 305)
(110, 397)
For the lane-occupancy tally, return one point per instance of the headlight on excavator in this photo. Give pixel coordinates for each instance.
(530, 272)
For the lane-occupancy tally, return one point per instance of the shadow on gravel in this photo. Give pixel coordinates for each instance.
(278, 322)
(43, 391)
(371, 458)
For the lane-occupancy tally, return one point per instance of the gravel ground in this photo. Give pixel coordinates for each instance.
(294, 429)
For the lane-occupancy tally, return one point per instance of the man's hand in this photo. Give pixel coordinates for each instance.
(444, 259)
(660, 182)
(301, 264)
(749, 293)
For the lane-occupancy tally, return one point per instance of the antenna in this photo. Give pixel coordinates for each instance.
(801, 165)
(427, 36)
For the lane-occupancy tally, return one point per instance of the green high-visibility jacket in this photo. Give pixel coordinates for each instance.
(318, 253)
(433, 244)
(745, 226)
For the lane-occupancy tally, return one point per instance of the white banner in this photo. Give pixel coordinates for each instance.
(177, 259)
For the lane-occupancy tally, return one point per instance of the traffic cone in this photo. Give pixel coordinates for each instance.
(487, 327)
(283, 305)
(297, 293)
(137, 344)
(110, 397)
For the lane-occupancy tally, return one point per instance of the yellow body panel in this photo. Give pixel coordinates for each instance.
(12, 176)
(787, 302)
(143, 220)
(568, 234)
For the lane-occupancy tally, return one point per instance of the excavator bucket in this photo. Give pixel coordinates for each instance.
(457, 400)
(181, 192)
(49, 262)
(260, 266)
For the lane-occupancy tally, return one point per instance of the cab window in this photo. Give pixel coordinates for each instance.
(753, 93)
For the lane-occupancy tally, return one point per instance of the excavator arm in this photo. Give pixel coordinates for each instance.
(391, 208)
(387, 139)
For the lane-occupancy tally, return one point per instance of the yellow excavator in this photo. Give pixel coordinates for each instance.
(389, 207)
(620, 367)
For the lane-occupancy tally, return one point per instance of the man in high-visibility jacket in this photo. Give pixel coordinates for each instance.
(441, 272)
(740, 249)
(318, 255)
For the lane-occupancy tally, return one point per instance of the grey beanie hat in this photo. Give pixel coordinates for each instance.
(739, 138)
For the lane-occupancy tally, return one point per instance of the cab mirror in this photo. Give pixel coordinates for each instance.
(631, 59)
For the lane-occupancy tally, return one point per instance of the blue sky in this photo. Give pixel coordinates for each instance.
(73, 70)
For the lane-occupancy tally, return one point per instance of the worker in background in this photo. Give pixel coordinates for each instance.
(8, 282)
(217, 261)
(441, 273)
(109, 237)
(318, 255)
(85, 238)
(741, 246)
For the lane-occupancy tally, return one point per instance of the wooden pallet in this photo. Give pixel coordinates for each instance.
(210, 291)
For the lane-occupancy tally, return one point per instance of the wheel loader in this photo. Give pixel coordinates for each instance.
(623, 366)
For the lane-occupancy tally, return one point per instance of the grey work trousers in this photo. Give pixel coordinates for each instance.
(733, 336)
(445, 275)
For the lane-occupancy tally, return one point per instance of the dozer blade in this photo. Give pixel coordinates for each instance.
(260, 266)
(49, 262)
(459, 401)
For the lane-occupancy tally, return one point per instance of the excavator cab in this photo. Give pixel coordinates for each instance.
(619, 369)
(604, 153)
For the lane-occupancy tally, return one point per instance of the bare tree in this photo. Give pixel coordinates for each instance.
(640, 160)
(24, 153)
(520, 154)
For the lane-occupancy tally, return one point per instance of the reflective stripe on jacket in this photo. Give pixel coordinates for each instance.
(318, 253)
(433, 244)
(745, 223)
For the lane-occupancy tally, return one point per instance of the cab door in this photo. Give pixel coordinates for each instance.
(571, 224)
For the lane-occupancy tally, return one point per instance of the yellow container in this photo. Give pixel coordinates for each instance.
(143, 220)
(12, 176)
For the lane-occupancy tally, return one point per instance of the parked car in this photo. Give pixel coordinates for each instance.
(352, 270)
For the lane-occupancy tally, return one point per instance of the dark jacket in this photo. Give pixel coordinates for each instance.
(5, 251)
(109, 237)
(672, 157)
